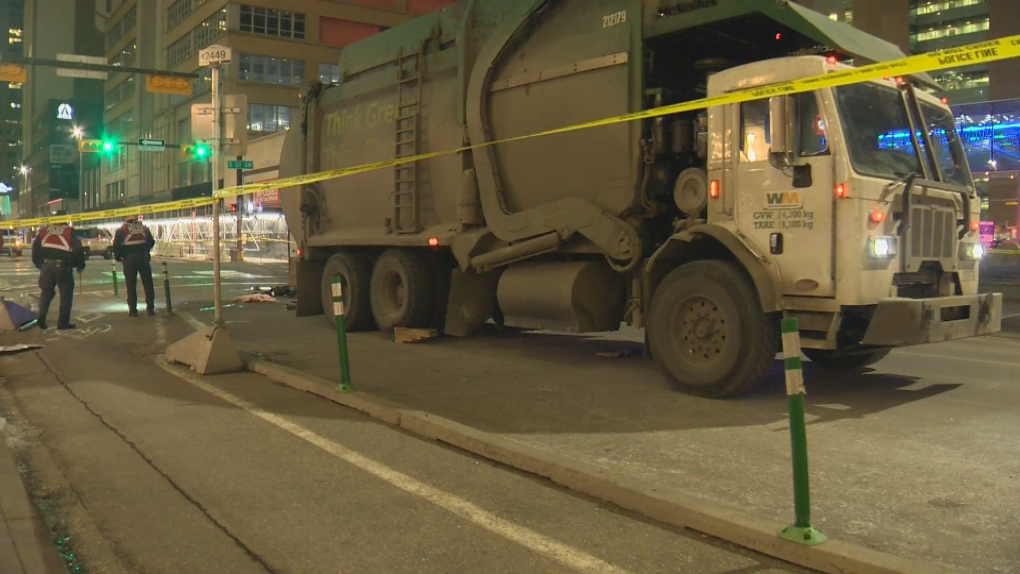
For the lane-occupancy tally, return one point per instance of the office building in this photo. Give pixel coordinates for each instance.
(12, 19)
(54, 104)
(278, 48)
(919, 26)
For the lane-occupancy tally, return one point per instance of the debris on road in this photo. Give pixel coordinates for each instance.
(11, 349)
(405, 335)
(256, 298)
(278, 291)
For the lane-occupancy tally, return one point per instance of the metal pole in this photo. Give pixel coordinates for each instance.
(216, 156)
(801, 532)
(240, 181)
(81, 181)
(113, 273)
(166, 289)
(341, 336)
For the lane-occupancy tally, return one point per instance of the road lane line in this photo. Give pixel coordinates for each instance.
(955, 358)
(569, 556)
(195, 323)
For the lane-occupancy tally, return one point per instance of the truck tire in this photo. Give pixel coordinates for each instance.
(403, 290)
(355, 273)
(834, 360)
(707, 331)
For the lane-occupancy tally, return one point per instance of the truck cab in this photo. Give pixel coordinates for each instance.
(861, 199)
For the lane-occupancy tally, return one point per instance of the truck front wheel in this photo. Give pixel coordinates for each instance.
(355, 272)
(403, 290)
(834, 360)
(707, 331)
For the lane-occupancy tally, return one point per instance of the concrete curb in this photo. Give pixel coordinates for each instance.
(25, 542)
(656, 502)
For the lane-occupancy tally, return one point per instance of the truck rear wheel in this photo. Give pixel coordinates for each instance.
(355, 272)
(834, 360)
(403, 290)
(707, 331)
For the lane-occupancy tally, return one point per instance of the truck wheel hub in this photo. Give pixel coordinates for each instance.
(703, 328)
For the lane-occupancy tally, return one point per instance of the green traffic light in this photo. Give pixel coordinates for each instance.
(201, 151)
(107, 146)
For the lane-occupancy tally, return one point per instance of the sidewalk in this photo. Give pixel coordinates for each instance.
(25, 545)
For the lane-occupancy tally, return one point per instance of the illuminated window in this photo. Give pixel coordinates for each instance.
(270, 22)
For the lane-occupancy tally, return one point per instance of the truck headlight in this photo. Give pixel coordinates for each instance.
(881, 247)
(971, 250)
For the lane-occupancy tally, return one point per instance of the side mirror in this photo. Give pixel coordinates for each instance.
(781, 136)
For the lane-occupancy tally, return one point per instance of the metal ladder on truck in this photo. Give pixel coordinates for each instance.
(408, 123)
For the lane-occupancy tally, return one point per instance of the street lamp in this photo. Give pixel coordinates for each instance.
(78, 134)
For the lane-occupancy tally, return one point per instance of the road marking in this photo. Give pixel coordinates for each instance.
(195, 323)
(570, 557)
(955, 358)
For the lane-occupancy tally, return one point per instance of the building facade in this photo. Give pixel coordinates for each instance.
(278, 48)
(919, 26)
(12, 19)
(55, 105)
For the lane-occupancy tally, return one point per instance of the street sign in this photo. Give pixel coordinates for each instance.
(61, 154)
(235, 164)
(214, 55)
(90, 74)
(168, 85)
(13, 73)
(151, 144)
(235, 123)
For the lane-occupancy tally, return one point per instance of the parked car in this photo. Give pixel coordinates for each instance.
(10, 243)
(95, 241)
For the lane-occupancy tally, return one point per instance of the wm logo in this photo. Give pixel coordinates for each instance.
(784, 200)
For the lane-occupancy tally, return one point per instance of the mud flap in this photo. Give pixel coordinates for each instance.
(472, 301)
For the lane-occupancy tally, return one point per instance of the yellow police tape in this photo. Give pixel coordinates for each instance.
(980, 53)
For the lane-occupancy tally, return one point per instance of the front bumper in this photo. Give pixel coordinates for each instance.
(901, 322)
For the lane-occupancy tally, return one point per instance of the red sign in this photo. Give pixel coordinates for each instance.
(269, 198)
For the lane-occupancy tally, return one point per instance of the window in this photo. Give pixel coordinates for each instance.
(270, 70)
(269, 118)
(271, 22)
(197, 38)
(329, 73)
(122, 92)
(755, 131)
(943, 30)
(122, 27)
(935, 7)
(126, 57)
(180, 10)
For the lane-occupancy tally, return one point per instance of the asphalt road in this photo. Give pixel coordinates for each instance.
(158, 470)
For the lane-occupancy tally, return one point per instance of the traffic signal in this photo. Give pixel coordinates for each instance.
(196, 150)
(89, 146)
(109, 145)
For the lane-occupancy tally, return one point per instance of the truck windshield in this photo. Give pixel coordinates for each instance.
(945, 142)
(877, 130)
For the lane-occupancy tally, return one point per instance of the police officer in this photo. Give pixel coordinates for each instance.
(56, 253)
(132, 245)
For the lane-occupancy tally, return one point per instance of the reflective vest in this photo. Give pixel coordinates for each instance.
(134, 234)
(56, 237)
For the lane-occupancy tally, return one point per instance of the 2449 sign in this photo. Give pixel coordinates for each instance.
(214, 55)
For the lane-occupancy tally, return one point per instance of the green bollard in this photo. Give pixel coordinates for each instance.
(801, 532)
(113, 272)
(341, 337)
(166, 289)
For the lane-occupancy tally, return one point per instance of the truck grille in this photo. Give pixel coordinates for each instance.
(931, 232)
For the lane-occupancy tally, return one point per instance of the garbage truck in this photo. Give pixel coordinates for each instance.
(849, 208)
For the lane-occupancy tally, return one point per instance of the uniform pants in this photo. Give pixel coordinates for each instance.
(137, 263)
(53, 275)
